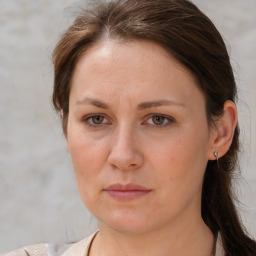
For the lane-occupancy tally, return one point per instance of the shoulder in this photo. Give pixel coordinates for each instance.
(81, 248)
(32, 250)
(74, 249)
(219, 247)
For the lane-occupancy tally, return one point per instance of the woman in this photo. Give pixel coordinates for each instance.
(146, 94)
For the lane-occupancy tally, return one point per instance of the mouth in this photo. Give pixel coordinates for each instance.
(126, 192)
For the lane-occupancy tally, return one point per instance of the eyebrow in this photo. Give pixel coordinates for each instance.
(158, 103)
(141, 106)
(94, 102)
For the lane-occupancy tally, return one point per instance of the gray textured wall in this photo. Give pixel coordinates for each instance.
(38, 196)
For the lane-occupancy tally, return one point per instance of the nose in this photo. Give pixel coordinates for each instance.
(124, 153)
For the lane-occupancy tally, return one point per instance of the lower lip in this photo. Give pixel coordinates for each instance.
(125, 195)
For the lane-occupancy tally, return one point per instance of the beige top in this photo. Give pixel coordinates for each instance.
(76, 249)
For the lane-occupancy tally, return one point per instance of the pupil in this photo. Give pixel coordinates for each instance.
(158, 120)
(97, 119)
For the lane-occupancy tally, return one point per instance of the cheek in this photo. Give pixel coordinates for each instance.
(88, 157)
(182, 160)
(83, 149)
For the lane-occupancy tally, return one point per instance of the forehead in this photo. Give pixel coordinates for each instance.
(135, 68)
(111, 51)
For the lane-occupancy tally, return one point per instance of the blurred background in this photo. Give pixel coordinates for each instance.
(38, 197)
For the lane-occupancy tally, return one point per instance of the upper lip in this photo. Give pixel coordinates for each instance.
(126, 187)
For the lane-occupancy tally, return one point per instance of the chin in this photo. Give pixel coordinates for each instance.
(124, 222)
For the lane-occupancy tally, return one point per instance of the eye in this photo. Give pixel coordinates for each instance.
(160, 120)
(95, 120)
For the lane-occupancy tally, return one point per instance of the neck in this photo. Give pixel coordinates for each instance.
(191, 238)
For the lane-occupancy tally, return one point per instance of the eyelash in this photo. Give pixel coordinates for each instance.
(169, 120)
(87, 119)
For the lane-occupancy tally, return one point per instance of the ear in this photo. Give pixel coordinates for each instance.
(223, 132)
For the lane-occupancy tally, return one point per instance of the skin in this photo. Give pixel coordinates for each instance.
(113, 137)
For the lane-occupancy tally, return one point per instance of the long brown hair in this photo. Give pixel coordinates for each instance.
(183, 30)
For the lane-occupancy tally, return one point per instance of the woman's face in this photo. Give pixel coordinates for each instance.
(138, 136)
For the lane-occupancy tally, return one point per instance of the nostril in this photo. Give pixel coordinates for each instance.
(126, 160)
(125, 152)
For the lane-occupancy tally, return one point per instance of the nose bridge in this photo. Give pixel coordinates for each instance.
(124, 136)
(124, 153)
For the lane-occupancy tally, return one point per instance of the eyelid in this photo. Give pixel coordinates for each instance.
(170, 120)
(88, 117)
